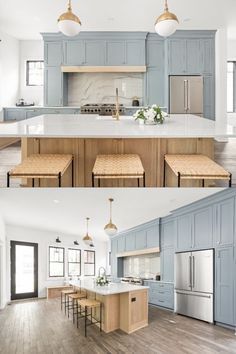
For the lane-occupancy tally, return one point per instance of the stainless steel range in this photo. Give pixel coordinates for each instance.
(103, 109)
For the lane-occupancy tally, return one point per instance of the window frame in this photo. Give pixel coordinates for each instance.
(90, 275)
(27, 72)
(234, 85)
(56, 276)
(68, 268)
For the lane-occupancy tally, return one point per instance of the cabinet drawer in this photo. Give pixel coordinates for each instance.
(161, 286)
(168, 303)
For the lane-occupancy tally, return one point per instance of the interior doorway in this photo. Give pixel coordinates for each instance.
(24, 270)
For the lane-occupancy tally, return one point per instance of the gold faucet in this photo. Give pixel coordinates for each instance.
(116, 113)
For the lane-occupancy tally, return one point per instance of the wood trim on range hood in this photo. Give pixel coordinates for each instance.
(103, 69)
(138, 252)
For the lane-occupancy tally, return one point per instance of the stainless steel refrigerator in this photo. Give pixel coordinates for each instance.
(186, 95)
(194, 285)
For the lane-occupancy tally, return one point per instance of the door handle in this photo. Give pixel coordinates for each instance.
(190, 272)
(193, 271)
(188, 96)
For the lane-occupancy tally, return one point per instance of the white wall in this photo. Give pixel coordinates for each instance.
(9, 71)
(30, 50)
(44, 239)
(231, 50)
(2, 264)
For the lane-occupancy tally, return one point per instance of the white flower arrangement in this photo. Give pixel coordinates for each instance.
(150, 115)
(101, 280)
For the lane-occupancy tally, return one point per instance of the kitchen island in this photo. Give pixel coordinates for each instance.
(124, 306)
(86, 136)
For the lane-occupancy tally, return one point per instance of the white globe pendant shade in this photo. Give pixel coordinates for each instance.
(88, 240)
(110, 228)
(68, 23)
(167, 23)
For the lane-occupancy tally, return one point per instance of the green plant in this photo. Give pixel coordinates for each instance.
(150, 114)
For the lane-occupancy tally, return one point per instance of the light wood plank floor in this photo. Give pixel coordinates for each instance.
(225, 155)
(39, 326)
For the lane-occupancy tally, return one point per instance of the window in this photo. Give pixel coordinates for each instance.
(89, 262)
(231, 82)
(34, 73)
(56, 261)
(74, 262)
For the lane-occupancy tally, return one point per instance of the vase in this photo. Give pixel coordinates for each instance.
(150, 122)
(141, 121)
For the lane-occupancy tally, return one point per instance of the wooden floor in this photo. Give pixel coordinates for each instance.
(225, 155)
(39, 326)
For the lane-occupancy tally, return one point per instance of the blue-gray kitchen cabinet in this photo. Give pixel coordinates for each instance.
(184, 233)
(193, 56)
(207, 46)
(160, 294)
(155, 93)
(113, 257)
(121, 244)
(53, 53)
(130, 241)
(155, 54)
(234, 275)
(177, 56)
(94, 52)
(209, 96)
(53, 86)
(135, 52)
(167, 264)
(224, 285)
(140, 239)
(153, 238)
(224, 213)
(73, 52)
(11, 114)
(202, 236)
(168, 234)
(115, 52)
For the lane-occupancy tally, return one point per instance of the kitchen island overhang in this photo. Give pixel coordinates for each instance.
(124, 306)
(86, 136)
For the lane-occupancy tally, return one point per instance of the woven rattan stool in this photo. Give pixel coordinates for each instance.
(118, 166)
(89, 304)
(196, 167)
(64, 294)
(43, 166)
(73, 304)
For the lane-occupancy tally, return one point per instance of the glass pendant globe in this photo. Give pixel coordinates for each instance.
(69, 28)
(166, 28)
(110, 229)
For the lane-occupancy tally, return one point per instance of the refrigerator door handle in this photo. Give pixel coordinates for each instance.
(190, 271)
(186, 95)
(192, 294)
(193, 272)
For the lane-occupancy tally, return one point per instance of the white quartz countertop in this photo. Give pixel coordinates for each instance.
(110, 289)
(93, 126)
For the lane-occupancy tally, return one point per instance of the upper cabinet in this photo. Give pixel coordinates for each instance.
(53, 53)
(202, 236)
(168, 232)
(115, 53)
(184, 233)
(73, 52)
(94, 52)
(224, 223)
(155, 54)
(177, 56)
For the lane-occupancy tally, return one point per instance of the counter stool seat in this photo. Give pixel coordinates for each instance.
(89, 304)
(196, 167)
(118, 166)
(74, 305)
(65, 293)
(43, 166)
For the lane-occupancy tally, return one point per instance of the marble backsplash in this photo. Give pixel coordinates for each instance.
(100, 88)
(144, 266)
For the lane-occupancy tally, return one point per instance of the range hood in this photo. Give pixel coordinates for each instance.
(138, 252)
(104, 69)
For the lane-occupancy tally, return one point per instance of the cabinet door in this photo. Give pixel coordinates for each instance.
(207, 56)
(235, 285)
(193, 56)
(115, 53)
(155, 54)
(52, 53)
(203, 228)
(74, 52)
(32, 113)
(224, 297)
(14, 114)
(184, 233)
(53, 86)
(208, 97)
(177, 56)
(167, 264)
(121, 244)
(152, 235)
(224, 227)
(168, 232)
(130, 241)
(140, 239)
(135, 52)
(155, 87)
(113, 258)
(94, 53)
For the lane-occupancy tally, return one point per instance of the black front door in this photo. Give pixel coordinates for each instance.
(24, 270)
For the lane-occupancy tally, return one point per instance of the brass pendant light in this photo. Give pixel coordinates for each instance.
(167, 23)
(88, 240)
(68, 23)
(110, 229)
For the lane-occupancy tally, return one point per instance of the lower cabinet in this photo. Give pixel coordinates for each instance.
(161, 294)
(224, 288)
(11, 114)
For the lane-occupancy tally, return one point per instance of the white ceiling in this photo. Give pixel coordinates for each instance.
(37, 208)
(27, 18)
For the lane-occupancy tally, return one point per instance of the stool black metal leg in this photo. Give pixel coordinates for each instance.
(72, 171)
(59, 179)
(8, 179)
(179, 180)
(164, 174)
(33, 182)
(138, 182)
(99, 182)
(100, 317)
(61, 301)
(92, 179)
(85, 327)
(144, 180)
(203, 183)
(65, 303)
(230, 180)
